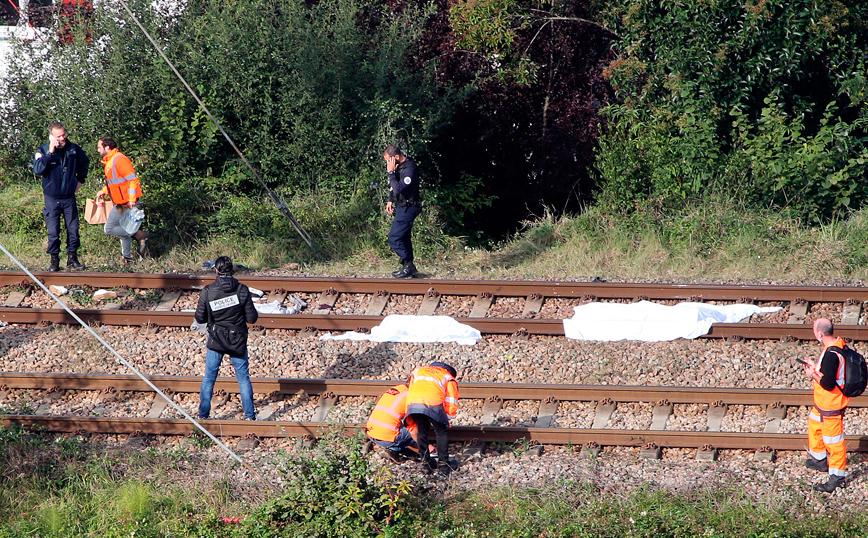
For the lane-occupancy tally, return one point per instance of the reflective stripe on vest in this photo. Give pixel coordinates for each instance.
(121, 189)
(831, 400)
(385, 420)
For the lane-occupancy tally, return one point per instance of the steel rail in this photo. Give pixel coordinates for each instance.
(461, 434)
(509, 288)
(349, 387)
(303, 322)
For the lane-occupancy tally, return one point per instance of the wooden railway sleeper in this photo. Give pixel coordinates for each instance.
(474, 447)
(764, 453)
(650, 451)
(591, 449)
(706, 453)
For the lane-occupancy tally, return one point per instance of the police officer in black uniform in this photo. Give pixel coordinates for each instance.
(405, 203)
(63, 167)
(227, 307)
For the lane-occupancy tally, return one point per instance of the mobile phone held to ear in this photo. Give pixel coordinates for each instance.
(52, 138)
(800, 361)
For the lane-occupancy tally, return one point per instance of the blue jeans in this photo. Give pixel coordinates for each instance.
(55, 209)
(403, 439)
(242, 373)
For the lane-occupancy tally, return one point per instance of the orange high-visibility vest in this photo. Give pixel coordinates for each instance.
(122, 184)
(433, 386)
(385, 420)
(834, 400)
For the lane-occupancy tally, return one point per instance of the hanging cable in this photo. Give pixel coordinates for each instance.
(281, 205)
(127, 363)
(27, 20)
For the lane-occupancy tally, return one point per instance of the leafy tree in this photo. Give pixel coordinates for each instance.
(311, 92)
(529, 129)
(762, 100)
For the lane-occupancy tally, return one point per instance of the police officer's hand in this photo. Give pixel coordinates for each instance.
(391, 164)
(389, 209)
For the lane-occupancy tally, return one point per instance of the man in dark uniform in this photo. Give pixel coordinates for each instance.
(63, 167)
(227, 307)
(405, 203)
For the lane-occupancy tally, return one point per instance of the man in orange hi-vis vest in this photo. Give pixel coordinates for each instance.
(386, 425)
(123, 187)
(432, 402)
(826, 419)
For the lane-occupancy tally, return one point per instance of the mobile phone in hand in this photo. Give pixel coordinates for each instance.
(800, 361)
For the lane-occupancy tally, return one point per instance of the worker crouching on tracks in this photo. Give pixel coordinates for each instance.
(386, 426)
(432, 401)
(226, 307)
(826, 419)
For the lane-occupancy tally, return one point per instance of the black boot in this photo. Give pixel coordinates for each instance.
(397, 271)
(394, 456)
(445, 469)
(834, 483)
(73, 262)
(55, 263)
(817, 465)
(407, 271)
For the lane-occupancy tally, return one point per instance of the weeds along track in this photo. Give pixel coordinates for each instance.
(674, 417)
(493, 307)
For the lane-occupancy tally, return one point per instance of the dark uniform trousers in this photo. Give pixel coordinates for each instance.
(402, 229)
(55, 208)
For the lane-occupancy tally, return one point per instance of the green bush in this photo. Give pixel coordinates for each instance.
(311, 93)
(765, 105)
(334, 492)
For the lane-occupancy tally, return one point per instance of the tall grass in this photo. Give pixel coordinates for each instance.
(64, 486)
(715, 240)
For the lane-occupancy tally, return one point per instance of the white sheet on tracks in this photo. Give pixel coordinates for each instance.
(397, 328)
(652, 322)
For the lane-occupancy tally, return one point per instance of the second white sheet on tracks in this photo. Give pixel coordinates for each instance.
(398, 328)
(651, 322)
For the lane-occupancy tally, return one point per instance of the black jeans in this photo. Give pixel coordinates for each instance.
(423, 425)
(55, 208)
(401, 230)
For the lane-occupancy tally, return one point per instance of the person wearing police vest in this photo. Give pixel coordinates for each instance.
(432, 401)
(404, 203)
(63, 167)
(828, 452)
(386, 426)
(123, 187)
(226, 307)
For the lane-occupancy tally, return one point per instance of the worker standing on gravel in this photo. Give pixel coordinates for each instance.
(826, 419)
(226, 307)
(432, 401)
(386, 426)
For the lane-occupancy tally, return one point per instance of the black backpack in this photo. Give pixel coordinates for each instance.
(855, 371)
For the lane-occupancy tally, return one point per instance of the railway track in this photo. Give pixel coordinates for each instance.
(547, 398)
(530, 303)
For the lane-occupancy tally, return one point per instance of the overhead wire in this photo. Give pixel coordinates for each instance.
(27, 20)
(128, 364)
(277, 200)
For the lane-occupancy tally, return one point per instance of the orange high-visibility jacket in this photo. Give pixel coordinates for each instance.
(834, 400)
(385, 420)
(433, 392)
(122, 184)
